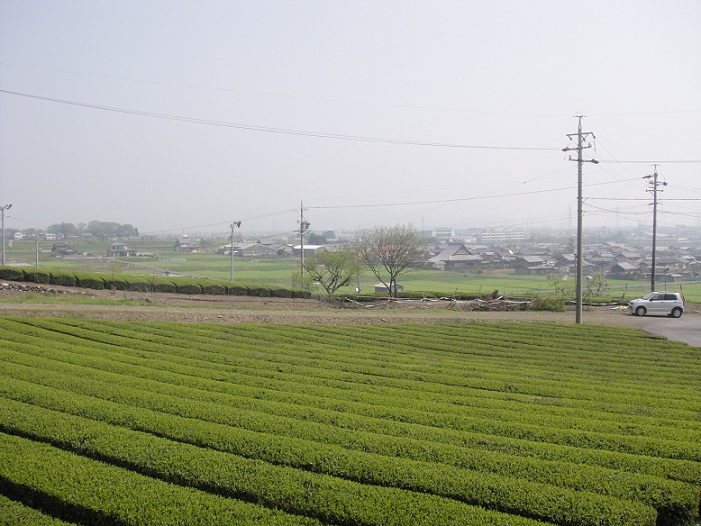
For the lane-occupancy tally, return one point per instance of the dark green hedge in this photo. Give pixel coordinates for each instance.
(190, 286)
(65, 279)
(280, 293)
(237, 290)
(87, 280)
(215, 289)
(165, 285)
(11, 274)
(116, 284)
(37, 276)
(138, 285)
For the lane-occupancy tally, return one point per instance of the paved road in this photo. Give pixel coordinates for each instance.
(686, 329)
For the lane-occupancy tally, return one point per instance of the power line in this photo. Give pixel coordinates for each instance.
(473, 198)
(658, 161)
(646, 113)
(266, 129)
(288, 96)
(644, 199)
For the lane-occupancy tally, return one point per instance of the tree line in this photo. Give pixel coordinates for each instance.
(94, 228)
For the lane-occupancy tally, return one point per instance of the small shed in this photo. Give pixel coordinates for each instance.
(380, 287)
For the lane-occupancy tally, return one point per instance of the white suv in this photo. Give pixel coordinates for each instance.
(669, 303)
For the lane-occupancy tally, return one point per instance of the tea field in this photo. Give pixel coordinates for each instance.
(117, 423)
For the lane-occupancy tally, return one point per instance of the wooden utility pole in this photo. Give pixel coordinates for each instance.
(236, 224)
(655, 187)
(303, 227)
(581, 137)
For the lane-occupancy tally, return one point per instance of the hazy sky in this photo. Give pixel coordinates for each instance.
(183, 116)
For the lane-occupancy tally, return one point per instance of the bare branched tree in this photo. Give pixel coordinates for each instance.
(390, 252)
(332, 270)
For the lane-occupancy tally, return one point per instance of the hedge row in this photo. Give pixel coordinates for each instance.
(453, 416)
(14, 513)
(512, 482)
(92, 493)
(193, 344)
(255, 391)
(146, 284)
(392, 408)
(677, 503)
(375, 406)
(317, 494)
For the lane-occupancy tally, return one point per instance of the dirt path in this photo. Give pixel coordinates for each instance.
(194, 309)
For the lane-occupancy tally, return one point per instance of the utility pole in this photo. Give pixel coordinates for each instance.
(303, 227)
(236, 224)
(3, 208)
(581, 137)
(655, 187)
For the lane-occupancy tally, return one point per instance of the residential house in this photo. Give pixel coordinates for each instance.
(61, 249)
(185, 244)
(533, 265)
(624, 270)
(309, 250)
(455, 256)
(119, 249)
(248, 250)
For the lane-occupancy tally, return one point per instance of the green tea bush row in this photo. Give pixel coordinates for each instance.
(287, 348)
(37, 276)
(678, 470)
(262, 381)
(372, 461)
(14, 513)
(144, 284)
(603, 432)
(633, 444)
(204, 468)
(451, 413)
(88, 492)
(11, 273)
(487, 408)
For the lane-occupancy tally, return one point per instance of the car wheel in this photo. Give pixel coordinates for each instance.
(640, 311)
(676, 312)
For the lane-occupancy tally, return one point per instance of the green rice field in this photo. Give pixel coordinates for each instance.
(107, 422)
(285, 272)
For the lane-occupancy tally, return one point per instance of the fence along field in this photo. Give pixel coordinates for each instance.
(156, 423)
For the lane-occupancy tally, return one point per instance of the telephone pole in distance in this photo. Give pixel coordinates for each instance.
(236, 224)
(303, 227)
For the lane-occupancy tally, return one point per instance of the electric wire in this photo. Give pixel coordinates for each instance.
(266, 129)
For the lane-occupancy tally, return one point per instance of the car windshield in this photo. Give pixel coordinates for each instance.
(648, 296)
